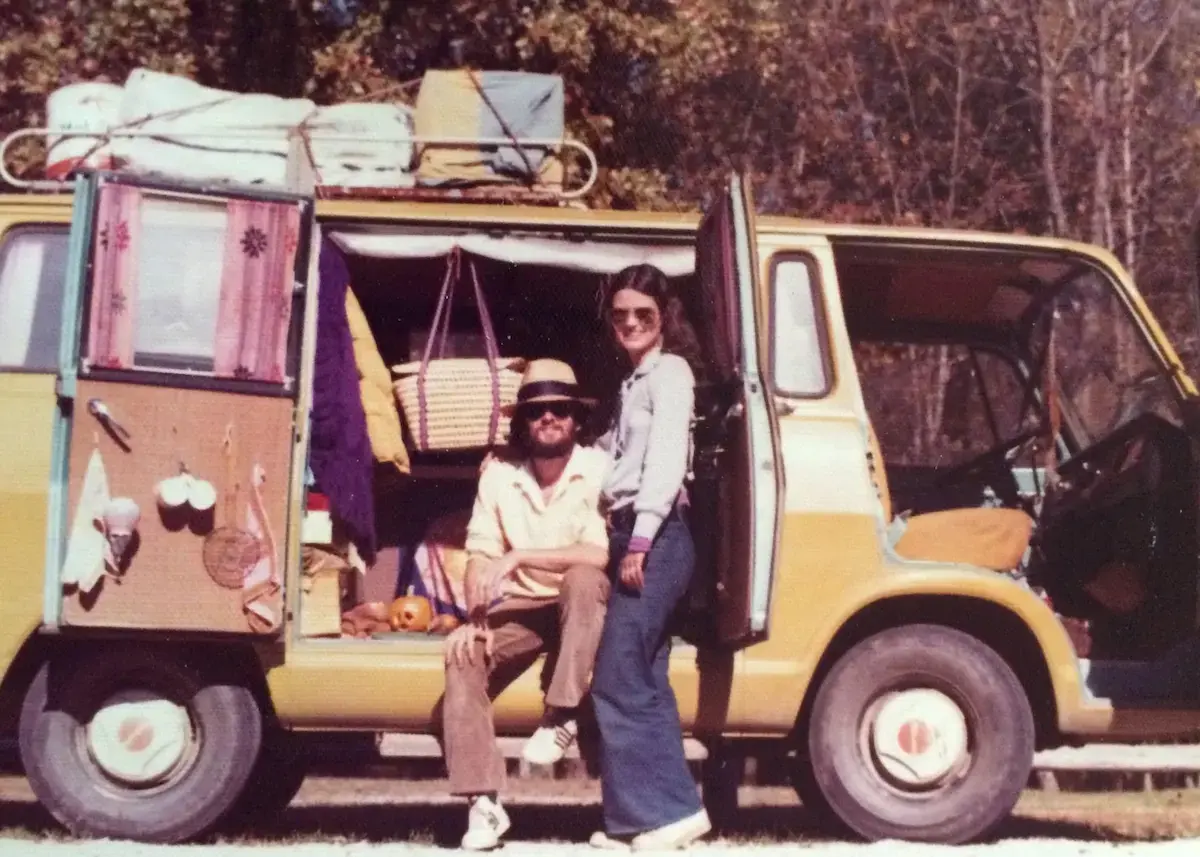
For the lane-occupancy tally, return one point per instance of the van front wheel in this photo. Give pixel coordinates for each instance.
(921, 733)
(136, 745)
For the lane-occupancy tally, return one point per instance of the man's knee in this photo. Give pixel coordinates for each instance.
(583, 585)
(463, 674)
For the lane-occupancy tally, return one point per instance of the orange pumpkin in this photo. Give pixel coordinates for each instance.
(410, 613)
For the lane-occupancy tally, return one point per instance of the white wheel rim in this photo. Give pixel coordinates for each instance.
(139, 740)
(919, 738)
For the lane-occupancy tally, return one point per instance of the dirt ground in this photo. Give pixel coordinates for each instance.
(383, 816)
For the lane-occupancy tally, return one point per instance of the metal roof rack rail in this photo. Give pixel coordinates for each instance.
(303, 175)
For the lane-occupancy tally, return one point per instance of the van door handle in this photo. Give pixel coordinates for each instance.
(784, 407)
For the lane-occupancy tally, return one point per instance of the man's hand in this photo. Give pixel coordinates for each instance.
(632, 574)
(460, 645)
(484, 587)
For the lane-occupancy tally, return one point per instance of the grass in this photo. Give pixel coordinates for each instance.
(1138, 816)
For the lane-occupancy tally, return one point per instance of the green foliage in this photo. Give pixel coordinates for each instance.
(906, 111)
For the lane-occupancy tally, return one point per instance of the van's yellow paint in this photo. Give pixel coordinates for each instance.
(27, 403)
(830, 562)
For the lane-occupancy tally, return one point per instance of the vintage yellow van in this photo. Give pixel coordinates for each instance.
(892, 615)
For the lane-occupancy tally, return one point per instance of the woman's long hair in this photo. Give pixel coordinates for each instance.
(679, 337)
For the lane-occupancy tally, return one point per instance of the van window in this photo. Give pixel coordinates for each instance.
(1106, 373)
(193, 286)
(800, 366)
(937, 405)
(179, 284)
(33, 264)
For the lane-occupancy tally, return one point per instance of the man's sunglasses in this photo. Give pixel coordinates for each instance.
(559, 410)
(646, 316)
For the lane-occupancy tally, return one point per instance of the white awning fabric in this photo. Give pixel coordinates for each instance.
(591, 256)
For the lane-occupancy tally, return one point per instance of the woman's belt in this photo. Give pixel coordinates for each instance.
(624, 518)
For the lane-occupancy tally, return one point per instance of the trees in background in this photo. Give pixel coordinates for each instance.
(1078, 118)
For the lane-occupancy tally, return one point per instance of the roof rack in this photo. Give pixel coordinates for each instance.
(303, 174)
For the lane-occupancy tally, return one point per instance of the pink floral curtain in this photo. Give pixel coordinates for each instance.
(114, 278)
(256, 290)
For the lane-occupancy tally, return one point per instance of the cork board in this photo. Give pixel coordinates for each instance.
(166, 585)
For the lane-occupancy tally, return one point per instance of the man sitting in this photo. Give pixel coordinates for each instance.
(535, 583)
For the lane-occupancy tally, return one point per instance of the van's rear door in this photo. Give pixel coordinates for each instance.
(727, 269)
(179, 375)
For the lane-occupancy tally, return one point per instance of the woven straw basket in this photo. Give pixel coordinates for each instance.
(459, 409)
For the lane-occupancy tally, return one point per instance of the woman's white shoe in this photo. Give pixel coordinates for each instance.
(679, 834)
(602, 840)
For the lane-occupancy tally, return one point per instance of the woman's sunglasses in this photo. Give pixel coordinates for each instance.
(645, 316)
(559, 410)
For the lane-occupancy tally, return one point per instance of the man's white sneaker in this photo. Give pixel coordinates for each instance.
(486, 823)
(549, 744)
(678, 834)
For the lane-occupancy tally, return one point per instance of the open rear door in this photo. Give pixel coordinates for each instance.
(178, 383)
(727, 268)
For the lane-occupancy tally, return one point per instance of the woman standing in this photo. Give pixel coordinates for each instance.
(650, 796)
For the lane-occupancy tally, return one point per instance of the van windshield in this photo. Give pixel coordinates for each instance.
(1106, 371)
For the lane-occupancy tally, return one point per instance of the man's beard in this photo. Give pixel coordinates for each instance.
(551, 450)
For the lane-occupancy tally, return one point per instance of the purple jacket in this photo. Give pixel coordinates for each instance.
(340, 453)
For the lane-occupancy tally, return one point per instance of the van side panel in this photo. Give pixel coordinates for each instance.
(831, 559)
(372, 693)
(28, 401)
(770, 674)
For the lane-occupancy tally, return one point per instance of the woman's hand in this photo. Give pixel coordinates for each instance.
(632, 570)
(460, 645)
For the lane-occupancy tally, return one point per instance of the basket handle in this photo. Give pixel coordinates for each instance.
(493, 352)
(440, 331)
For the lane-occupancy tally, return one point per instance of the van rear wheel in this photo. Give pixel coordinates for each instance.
(921, 733)
(135, 745)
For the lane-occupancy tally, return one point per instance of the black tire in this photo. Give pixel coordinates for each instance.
(804, 782)
(999, 726)
(277, 776)
(67, 691)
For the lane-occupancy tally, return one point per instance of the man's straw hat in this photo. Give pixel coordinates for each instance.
(548, 380)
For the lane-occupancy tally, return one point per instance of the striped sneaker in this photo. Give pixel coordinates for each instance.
(550, 743)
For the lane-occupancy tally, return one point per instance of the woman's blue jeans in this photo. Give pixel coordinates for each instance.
(645, 779)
